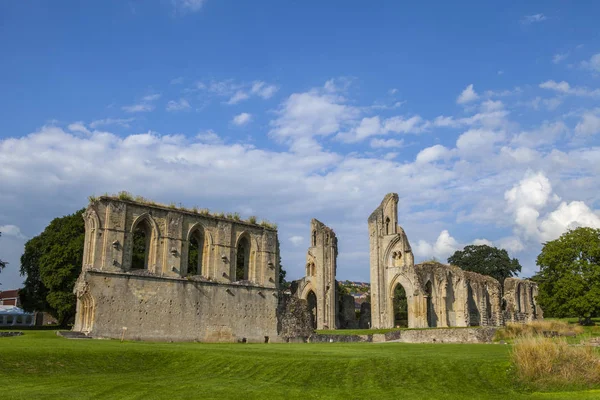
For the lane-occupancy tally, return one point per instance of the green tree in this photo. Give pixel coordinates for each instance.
(52, 262)
(569, 277)
(486, 260)
(2, 263)
(283, 284)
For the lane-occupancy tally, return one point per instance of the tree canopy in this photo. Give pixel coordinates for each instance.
(2, 263)
(569, 276)
(486, 260)
(52, 262)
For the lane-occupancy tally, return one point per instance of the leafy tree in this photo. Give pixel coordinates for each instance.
(52, 262)
(569, 277)
(2, 263)
(486, 260)
(283, 284)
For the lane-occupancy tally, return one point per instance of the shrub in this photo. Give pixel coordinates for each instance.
(124, 195)
(546, 363)
(513, 330)
(252, 219)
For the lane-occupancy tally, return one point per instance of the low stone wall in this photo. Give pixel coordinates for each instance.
(440, 335)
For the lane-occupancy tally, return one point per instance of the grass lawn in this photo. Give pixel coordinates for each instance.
(41, 365)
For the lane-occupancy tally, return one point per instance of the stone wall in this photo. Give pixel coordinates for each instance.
(444, 335)
(179, 309)
(319, 285)
(163, 300)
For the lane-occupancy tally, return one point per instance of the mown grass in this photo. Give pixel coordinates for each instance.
(40, 365)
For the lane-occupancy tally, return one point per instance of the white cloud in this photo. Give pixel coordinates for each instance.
(318, 112)
(180, 105)
(151, 97)
(593, 64)
(12, 230)
(479, 242)
(545, 134)
(564, 87)
(210, 137)
(568, 216)
(237, 97)
(78, 127)
(124, 122)
(478, 140)
(444, 246)
(372, 126)
(177, 81)
(468, 95)
(530, 19)
(144, 106)
(431, 154)
(386, 143)
(296, 240)
(589, 124)
(242, 119)
(263, 89)
(559, 57)
(135, 108)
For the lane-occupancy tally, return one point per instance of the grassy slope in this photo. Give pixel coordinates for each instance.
(41, 365)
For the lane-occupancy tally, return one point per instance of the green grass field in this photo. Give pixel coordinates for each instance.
(41, 365)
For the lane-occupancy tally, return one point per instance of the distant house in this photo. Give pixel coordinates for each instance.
(10, 298)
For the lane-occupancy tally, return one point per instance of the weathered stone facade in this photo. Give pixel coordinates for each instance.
(437, 295)
(230, 295)
(318, 287)
(208, 278)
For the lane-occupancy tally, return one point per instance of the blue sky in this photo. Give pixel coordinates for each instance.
(484, 120)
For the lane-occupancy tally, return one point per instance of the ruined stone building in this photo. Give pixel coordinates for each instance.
(192, 276)
(153, 272)
(318, 287)
(432, 294)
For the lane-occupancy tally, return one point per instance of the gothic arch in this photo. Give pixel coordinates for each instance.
(92, 227)
(153, 241)
(407, 284)
(207, 247)
(251, 249)
(87, 308)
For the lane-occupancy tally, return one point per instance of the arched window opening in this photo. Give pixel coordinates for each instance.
(141, 245)
(314, 238)
(86, 313)
(195, 253)
(533, 306)
(431, 317)
(242, 259)
(488, 308)
(518, 298)
(387, 226)
(400, 307)
(474, 319)
(450, 299)
(311, 299)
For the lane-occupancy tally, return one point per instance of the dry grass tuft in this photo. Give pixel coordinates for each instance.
(552, 363)
(513, 330)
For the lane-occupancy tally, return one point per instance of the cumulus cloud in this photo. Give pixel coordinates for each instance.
(478, 140)
(589, 124)
(593, 64)
(568, 216)
(136, 108)
(12, 230)
(565, 88)
(296, 240)
(78, 127)
(431, 154)
(386, 143)
(444, 246)
(210, 137)
(468, 95)
(242, 119)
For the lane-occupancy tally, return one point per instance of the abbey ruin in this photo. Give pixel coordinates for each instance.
(152, 272)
